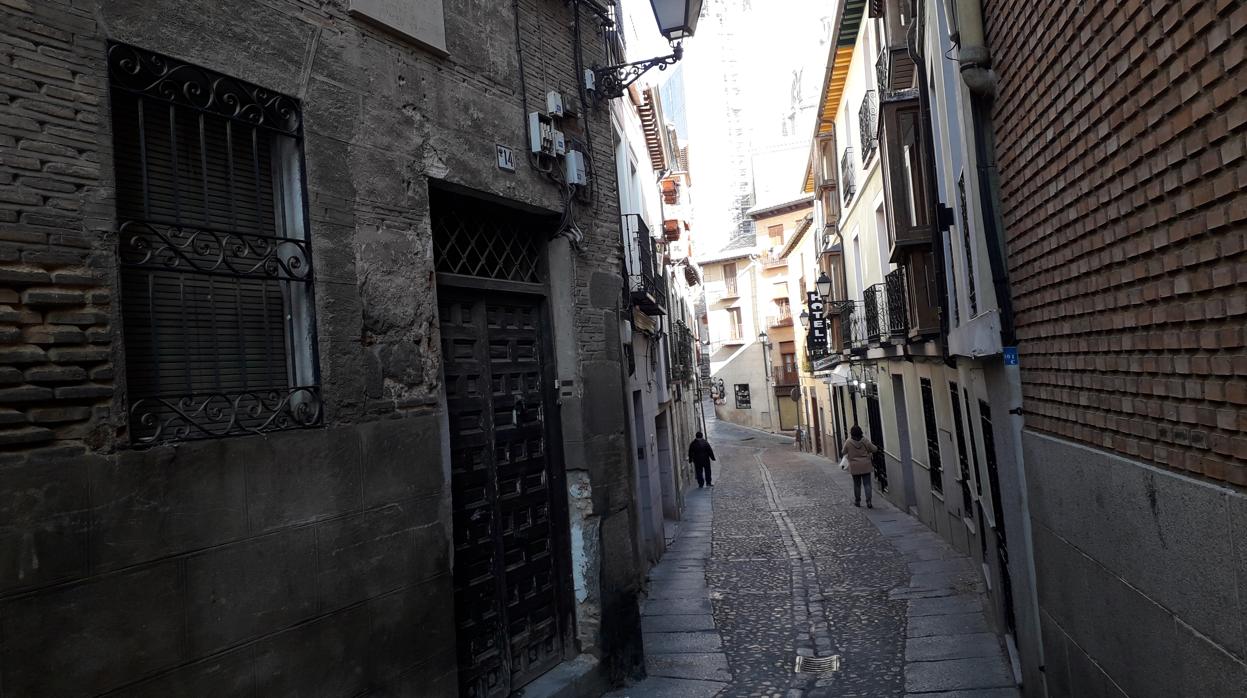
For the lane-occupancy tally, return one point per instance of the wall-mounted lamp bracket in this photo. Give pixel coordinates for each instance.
(613, 80)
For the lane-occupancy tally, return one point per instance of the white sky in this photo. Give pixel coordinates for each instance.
(767, 40)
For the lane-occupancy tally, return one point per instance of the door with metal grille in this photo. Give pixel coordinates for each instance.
(508, 580)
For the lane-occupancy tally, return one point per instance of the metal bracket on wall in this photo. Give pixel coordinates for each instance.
(613, 80)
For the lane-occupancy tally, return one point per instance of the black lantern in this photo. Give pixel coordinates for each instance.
(804, 317)
(823, 285)
(677, 19)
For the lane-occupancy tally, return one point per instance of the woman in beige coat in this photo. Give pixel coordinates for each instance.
(857, 452)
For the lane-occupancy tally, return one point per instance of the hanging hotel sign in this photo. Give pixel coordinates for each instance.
(816, 335)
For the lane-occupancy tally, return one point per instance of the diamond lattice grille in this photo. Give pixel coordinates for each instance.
(482, 239)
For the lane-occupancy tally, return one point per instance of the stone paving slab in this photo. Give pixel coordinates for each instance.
(705, 666)
(941, 647)
(957, 674)
(682, 642)
(663, 687)
(677, 607)
(952, 624)
(945, 605)
(673, 624)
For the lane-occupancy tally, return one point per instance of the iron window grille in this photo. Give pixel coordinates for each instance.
(848, 175)
(933, 438)
(216, 268)
(963, 458)
(868, 123)
(968, 244)
(482, 239)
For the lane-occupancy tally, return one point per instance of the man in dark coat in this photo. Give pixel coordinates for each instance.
(700, 454)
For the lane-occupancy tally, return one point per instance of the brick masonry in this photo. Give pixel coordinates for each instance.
(1121, 131)
(299, 563)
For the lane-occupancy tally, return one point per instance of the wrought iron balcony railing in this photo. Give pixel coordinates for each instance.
(876, 307)
(848, 175)
(853, 325)
(898, 315)
(868, 122)
(785, 376)
(883, 67)
(782, 319)
(646, 280)
(771, 259)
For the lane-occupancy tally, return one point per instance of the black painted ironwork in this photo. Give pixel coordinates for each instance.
(933, 440)
(613, 80)
(853, 325)
(155, 76)
(894, 292)
(187, 417)
(868, 125)
(883, 66)
(646, 279)
(216, 268)
(473, 237)
(963, 456)
(876, 311)
(968, 244)
(207, 251)
(848, 175)
(1002, 543)
(875, 420)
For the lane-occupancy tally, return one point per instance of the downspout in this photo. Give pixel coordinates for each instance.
(981, 81)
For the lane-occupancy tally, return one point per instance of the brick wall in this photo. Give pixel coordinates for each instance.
(304, 562)
(1121, 130)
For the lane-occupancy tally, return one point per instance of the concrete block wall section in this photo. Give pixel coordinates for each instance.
(1120, 134)
(301, 562)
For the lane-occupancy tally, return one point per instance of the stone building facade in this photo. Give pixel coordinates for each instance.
(1120, 136)
(331, 559)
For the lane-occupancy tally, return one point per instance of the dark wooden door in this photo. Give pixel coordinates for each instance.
(876, 435)
(507, 569)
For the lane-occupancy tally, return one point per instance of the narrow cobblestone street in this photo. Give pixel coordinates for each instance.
(775, 562)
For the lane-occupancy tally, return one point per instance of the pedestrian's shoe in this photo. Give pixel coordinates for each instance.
(857, 504)
(869, 505)
(710, 484)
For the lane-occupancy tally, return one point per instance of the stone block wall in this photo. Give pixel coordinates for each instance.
(312, 562)
(1120, 130)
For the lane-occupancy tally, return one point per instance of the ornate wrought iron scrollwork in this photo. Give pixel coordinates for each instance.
(207, 251)
(188, 417)
(159, 77)
(614, 79)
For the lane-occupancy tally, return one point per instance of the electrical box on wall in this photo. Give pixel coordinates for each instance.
(575, 168)
(560, 142)
(541, 133)
(554, 104)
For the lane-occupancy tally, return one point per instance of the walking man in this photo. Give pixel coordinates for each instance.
(857, 451)
(700, 454)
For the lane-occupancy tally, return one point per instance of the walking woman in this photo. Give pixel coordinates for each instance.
(857, 452)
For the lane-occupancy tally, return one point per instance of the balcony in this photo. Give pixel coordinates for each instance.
(782, 319)
(853, 326)
(735, 334)
(848, 175)
(886, 318)
(673, 229)
(905, 178)
(785, 376)
(646, 280)
(730, 289)
(772, 259)
(868, 123)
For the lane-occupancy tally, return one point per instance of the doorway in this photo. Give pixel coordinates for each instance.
(512, 570)
(647, 533)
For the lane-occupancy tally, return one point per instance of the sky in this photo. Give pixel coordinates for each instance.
(765, 42)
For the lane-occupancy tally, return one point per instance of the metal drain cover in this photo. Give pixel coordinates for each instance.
(818, 665)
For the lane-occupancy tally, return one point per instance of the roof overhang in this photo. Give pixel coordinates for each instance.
(847, 25)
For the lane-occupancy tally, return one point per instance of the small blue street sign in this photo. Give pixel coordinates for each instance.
(1011, 356)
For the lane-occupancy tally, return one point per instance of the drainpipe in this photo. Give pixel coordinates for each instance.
(981, 81)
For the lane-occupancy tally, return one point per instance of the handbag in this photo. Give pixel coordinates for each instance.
(844, 462)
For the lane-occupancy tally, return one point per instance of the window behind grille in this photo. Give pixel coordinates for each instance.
(933, 438)
(216, 273)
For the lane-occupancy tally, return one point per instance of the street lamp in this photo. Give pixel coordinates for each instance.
(823, 285)
(677, 20)
(804, 317)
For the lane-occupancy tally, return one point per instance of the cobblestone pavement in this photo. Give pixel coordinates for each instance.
(783, 565)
